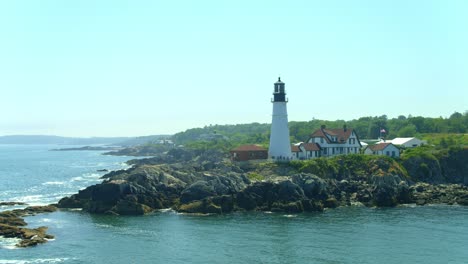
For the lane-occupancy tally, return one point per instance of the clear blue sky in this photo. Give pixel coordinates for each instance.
(129, 68)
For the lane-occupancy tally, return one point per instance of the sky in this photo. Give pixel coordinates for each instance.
(133, 68)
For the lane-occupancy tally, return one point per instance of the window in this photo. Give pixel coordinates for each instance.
(321, 140)
(387, 153)
(393, 153)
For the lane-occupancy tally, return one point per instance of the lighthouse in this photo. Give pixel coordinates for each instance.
(280, 146)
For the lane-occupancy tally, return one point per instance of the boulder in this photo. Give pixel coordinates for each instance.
(197, 191)
(206, 206)
(130, 207)
(312, 205)
(258, 194)
(331, 203)
(388, 190)
(12, 221)
(287, 207)
(313, 186)
(288, 191)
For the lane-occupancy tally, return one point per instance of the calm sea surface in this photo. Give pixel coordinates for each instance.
(429, 234)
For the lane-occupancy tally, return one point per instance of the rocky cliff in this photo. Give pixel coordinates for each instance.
(437, 167)
(208, 183)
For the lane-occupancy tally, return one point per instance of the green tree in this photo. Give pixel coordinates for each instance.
(408, 131)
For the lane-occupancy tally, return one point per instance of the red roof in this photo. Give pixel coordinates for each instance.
(295, 148)
(341, 134)
(311, 146)
(249, 148)
(320, 133)
(380, 146)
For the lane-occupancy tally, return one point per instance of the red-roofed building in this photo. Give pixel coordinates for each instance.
(248, 152)
(305, 150)
(387, 149)
(332, 142)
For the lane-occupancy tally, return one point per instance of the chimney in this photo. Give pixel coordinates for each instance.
(345, 128)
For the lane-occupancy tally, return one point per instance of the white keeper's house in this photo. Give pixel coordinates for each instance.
(387, 149)
(328, 143)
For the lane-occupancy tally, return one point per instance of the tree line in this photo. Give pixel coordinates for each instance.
(366, 127)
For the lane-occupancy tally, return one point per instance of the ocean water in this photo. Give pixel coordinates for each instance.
(409, 234)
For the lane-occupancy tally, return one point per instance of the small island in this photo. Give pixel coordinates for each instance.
(12, 224)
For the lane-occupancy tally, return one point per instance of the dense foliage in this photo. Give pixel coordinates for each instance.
(349, 166)
(441, 131)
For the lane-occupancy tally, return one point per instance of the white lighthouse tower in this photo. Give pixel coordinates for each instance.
(280, 146)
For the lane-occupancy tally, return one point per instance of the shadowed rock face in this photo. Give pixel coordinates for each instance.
(450, 166)
(210, 184)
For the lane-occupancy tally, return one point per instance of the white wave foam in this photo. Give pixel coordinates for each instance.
(87, 177)
(357, 204)
(53, 183)
(290, 216)
(8, 243)
(29, 199)
(79, 178)
(166, 210)
(92, 175)
(75, 209)
(412, 205)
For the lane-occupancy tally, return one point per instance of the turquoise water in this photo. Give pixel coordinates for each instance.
(429, 234)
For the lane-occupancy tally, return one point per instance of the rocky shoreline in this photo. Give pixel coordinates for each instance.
(206, 182)
(209, 183)
(12, 224)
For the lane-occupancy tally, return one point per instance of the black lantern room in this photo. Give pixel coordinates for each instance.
(279, 95)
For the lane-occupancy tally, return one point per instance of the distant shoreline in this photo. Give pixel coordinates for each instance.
(87, 148)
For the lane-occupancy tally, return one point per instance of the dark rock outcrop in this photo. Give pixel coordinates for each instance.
(207, 183)
(424, 193)
(12, 226)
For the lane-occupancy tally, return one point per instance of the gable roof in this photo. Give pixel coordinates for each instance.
(249, 148)
(311, 146)
(320, 133)
(341, 134)
(380, 146)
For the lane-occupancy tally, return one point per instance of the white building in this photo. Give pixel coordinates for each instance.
(332, 142)
(387, 149)
(407, 142)
(280, 146)
(306, 150)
